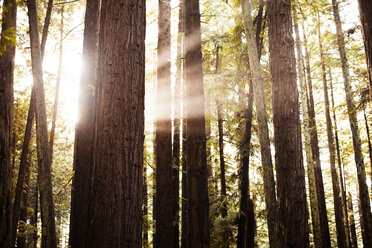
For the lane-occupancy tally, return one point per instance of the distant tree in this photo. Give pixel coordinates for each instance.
(7, 55)
(292, 206)
(115, 204)
(352, 113)
(197, 173)
(85, 129)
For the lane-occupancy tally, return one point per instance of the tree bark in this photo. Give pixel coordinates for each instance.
(115, 209)
(85, 130)
(365, 14)
(339, 214)
(368, 139)
(9, 22)
(354, 240)
(306, 125)
(358, 154)
(198, 203)
(263, 130)
(45, 180)
(292, 206)
(165, 195)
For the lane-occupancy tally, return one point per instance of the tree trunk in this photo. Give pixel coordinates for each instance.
(263, 131)
(245, 238)
(339, 216)
(358, 154)
(56, 99)
(27, 137)
(365, 14)
(33, 220)
(145, 231)
(115, 209)
(292, 206)
(368, 139)
(84, 131)
(44, 170)
(7, 55)
(198, 203)
(306, 125)
(354, 240)
(164, 200)
(324, 228)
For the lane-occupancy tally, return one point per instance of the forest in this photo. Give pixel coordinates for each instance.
(185, 123)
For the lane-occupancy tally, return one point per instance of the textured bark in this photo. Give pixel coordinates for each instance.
(84, 131)
(263, 130)
(9, 19)
(339, 214)
(358, 154)
(354, 241)
(115, 209)
(365, 14)
(306, 125)
(45, 179)
(164, 200)
(292, 206)
(197, 173)
(324, 227)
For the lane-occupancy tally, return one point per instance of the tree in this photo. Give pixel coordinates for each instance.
(358, 154)
(85, 128)
(292, 206)
(115, 210)
(45, 180)
(197, 174)
(165, 197)
(365, 14)
(7, 55)
(263, 130)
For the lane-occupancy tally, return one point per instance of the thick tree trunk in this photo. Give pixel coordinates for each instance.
(164, 200)
(292, 206)
(306, 125)
(198, 203)
(354, 240)
(84, 131)
(45, 179)
(7, 55)
(263, 130)
(115, 209)
(365, 14)
(339, 214)
(358, 154)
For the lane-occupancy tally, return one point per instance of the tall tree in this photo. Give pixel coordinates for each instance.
(354, 241)
(197, 174)
(365, 14)
(84, 131)
(49, 238)
(306, 126)
(164, 199)
(115, 210)
(292, 206)
(358, 154)
(318, 175)
(7, 55)
(263, 130)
